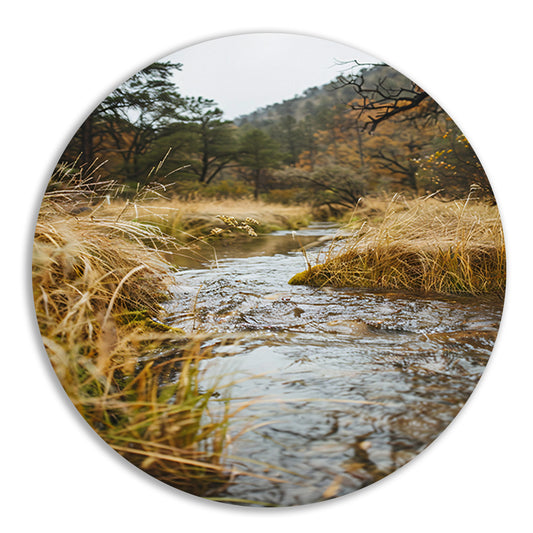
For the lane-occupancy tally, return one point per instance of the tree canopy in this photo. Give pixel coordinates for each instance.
(123, 126)
(259, 154)
(361, 134)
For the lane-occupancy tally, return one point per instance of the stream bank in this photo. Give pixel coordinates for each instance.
(341, 386)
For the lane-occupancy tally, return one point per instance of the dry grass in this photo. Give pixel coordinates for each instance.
(98, 283)
(424, 244)
(189, 220)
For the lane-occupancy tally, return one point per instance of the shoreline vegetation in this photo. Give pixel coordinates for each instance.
(423, 245)
(101, 269)
(186, 221)
(98, 285)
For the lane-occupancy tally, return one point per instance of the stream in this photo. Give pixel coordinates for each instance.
(341, 386)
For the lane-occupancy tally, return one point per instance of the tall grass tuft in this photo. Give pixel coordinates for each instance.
(423, 244)
(98, 284)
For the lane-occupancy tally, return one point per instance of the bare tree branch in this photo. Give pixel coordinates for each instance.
(381, 100)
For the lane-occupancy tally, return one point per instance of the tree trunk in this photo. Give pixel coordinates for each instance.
(257, 184)
(87, 152)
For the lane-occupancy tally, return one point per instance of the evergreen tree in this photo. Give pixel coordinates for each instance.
(259, 154)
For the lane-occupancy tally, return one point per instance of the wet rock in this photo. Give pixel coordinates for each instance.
(278, 296)
(349, 327)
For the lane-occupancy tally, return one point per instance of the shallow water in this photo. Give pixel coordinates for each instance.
(342, 386)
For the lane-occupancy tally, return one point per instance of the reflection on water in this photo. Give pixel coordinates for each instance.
(203, 255)
(344, 385)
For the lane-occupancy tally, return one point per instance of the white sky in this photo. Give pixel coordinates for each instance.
(244, 72)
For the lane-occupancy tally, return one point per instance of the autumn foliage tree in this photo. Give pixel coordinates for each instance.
(418, 145)
(453, 166)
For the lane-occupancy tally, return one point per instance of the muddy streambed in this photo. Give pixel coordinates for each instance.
(342, 386)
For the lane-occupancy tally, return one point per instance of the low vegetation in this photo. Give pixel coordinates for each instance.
(424, 244)
(101, 271)
(189, 220)
(98, 283)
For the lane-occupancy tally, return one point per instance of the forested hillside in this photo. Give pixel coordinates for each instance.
(367, 133)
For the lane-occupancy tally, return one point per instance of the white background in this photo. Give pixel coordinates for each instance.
(61, 58)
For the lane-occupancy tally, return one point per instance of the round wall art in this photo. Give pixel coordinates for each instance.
(268, 269)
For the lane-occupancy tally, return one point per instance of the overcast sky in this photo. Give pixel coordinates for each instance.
(244, 72)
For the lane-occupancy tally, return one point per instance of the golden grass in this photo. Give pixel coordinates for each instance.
(423, 244)
(98, 283)
(189, 220)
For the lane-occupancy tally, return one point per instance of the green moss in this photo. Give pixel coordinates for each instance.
(314, 276)
(269, 228)
(145, 321)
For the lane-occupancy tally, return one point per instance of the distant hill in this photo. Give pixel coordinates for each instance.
(315, 99)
